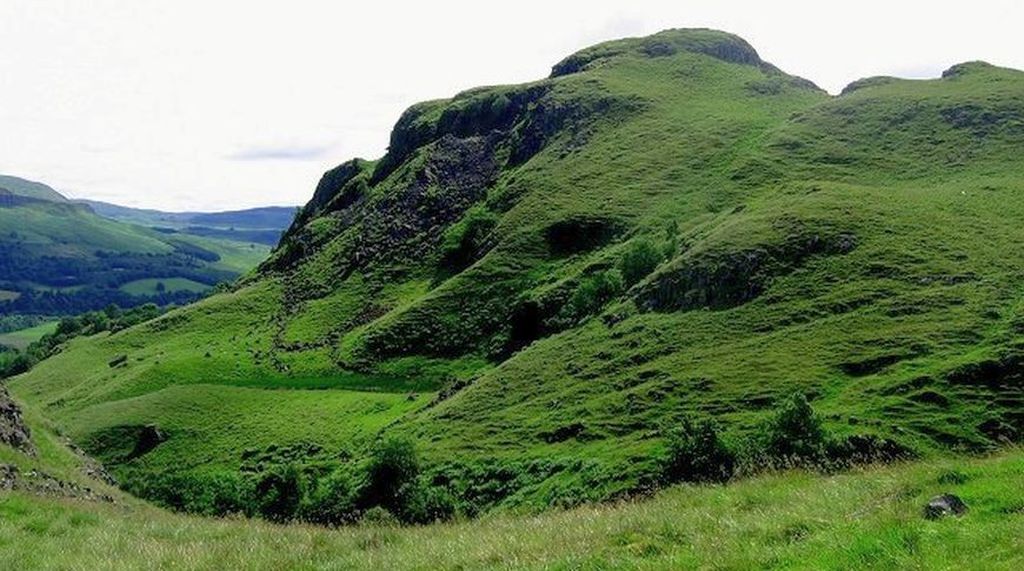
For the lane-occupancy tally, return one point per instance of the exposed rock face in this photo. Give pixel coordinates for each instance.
(944, 505)
(13, 430)
(722, 281)
(41, 483)
(331, 185)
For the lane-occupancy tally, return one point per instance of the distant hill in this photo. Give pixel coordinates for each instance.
(30, 189)
(263, 225)
(59, 257)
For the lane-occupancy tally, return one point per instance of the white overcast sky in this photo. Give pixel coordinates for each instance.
(213, 104)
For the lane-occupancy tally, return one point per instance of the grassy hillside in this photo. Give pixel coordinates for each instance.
(58, 257)
(538, 282)
(61, 514)
(863, 520)
(30, 189)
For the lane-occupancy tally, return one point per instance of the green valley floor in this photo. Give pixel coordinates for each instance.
(870, 518)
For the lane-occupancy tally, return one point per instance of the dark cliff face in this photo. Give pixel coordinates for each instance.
(443, 158)
(13, 430)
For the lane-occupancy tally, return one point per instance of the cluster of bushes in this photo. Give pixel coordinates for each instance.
(639, 259)
(793, 437)
(388, 485)
(89, 298)
(112, 318)
(391, 485)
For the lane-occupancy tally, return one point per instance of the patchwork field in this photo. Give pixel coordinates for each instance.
(153, 285)
(23, 337)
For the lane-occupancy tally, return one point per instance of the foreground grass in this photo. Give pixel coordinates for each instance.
(864, 519)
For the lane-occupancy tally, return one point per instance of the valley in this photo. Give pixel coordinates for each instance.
(60, 257)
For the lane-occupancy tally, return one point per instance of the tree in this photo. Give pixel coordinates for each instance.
(795, 432)
(279, 492)
(393, 467)
(697, 454)
(595, 291)
(639, 260)
(113, 311)
(332, 501)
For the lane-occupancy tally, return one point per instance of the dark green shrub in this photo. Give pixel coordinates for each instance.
(219, 494)
(379, 517)
(213, 494)
(14, 363)
(795, 432)
(639, 260)
(393, 466)
(697, 454)
(331, 501)
(465, 240)
(593, 292)
(68, 326)
(425, 503)
(279, 491)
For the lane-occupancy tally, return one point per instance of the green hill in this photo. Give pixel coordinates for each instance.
(58, 257)
(538, 282)
(30, 189)
(261, 225)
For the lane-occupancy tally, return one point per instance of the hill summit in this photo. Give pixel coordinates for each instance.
(538, 283)
(29, 189)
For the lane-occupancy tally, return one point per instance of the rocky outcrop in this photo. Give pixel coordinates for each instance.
(476, 113)
(866, 83)
(944, 505)
(720, 280)
(962, 69)
(44, 484)
(13, 430)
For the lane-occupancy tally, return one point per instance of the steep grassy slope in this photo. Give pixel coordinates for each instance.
(667, 226)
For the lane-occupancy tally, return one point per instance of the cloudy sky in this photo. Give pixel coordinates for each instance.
(217, 104)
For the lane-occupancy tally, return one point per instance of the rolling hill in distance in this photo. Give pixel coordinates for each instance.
(262, 225)
(61, 257)
(667, 261)
(26, 188)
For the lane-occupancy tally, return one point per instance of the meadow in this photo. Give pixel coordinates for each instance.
(24, 337)
(867, 519)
